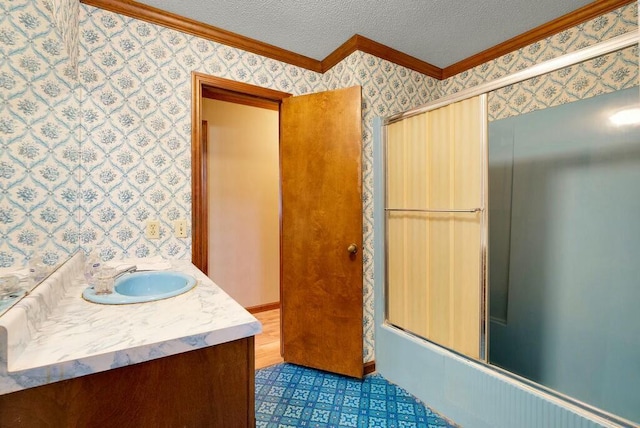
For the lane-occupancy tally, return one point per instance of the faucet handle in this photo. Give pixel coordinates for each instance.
(121, 270)
(127, 268)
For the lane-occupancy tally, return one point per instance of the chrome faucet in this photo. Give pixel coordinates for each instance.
(128, 269)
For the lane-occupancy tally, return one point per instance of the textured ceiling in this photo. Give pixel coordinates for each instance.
(440, 32)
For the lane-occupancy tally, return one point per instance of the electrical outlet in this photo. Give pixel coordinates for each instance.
(180, 228)
(153, 229)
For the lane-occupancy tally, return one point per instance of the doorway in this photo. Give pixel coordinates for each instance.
(236, 167)
(320, 219)
(243, 199)
(233, 92)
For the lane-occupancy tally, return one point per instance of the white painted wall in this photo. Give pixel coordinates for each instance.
(243, 198)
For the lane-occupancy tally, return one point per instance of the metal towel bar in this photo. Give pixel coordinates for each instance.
(470, 210)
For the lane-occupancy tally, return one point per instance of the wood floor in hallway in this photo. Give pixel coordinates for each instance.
(268, 342)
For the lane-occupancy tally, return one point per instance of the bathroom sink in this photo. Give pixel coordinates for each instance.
(139, 287)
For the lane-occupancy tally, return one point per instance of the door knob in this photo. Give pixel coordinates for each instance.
(352, 249)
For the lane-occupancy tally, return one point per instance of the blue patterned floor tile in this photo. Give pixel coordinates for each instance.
(292, 396)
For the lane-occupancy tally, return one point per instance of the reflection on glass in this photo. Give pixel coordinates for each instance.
(17, 282)
(41, 156)
(565, 251)
(14, 284)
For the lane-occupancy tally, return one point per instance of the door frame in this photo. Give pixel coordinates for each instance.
(201, 82)
(199, 210)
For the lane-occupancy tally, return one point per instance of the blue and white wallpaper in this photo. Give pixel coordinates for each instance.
(136, 127)
(602, 75)
(605, 74)
(39, 140)
(88, 155)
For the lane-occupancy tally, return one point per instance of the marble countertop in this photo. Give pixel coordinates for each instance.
(78, 337)
(8, 299)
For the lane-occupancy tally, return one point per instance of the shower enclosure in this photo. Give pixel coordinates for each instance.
(512, 235)
(565, 250)
(435, 199)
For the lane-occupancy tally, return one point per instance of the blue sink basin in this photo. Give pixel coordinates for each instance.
(141, 287)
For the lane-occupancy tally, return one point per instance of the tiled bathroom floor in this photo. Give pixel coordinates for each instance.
(293, 396)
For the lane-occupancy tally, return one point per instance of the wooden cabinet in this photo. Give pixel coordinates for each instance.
(208, 387)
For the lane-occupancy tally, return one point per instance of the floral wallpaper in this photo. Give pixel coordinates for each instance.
(136, 127)
(39, 141)
(607, 73)
(86, 162)
(601, 75)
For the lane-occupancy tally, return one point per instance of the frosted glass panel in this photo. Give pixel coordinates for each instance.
(565, 251)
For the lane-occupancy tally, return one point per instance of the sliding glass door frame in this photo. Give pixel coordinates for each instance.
(479, 208)
(612, 45)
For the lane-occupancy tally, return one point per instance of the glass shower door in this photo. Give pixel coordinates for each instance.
(435, 223)
(564, 248)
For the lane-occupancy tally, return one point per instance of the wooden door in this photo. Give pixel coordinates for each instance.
(321, 280)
